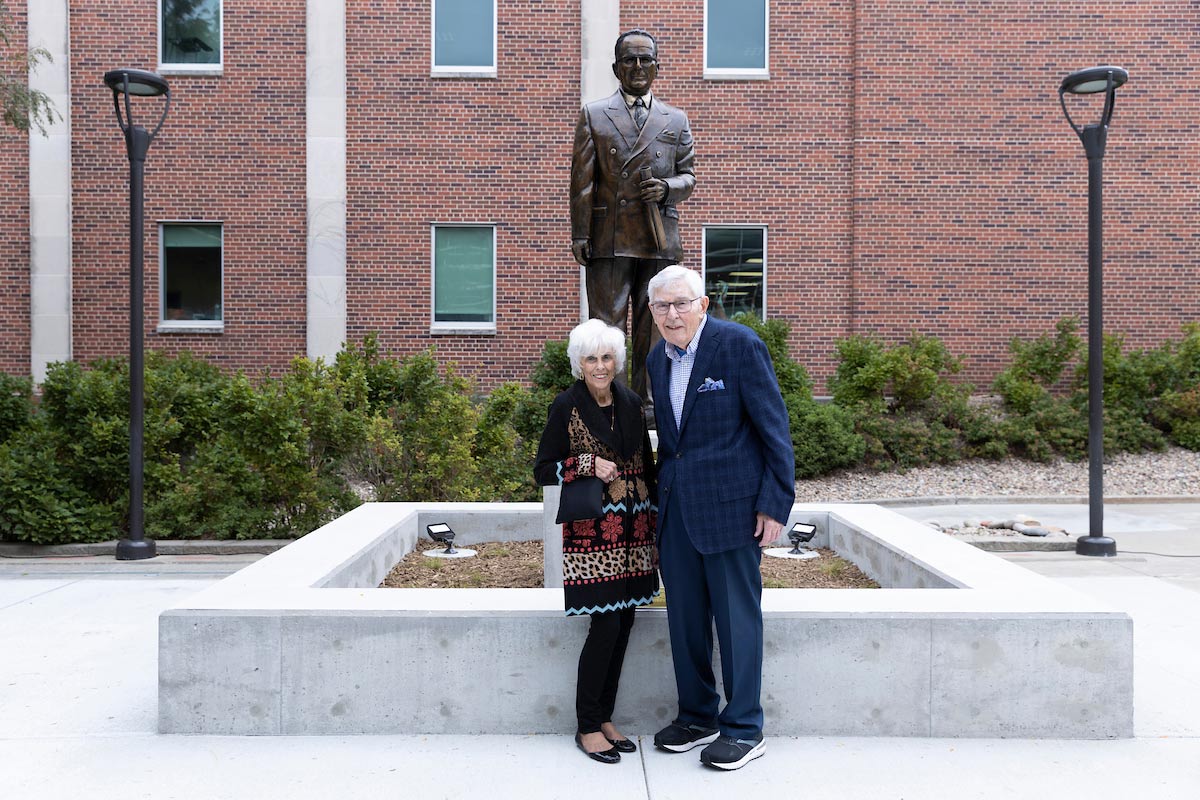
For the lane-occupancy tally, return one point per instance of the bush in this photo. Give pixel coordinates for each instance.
(422, 447)
(1178, 413)
(905, 407)
(553, 370)
(823, 437)
(40, 503)
(16, 404)
(273, 468)
(505, 457)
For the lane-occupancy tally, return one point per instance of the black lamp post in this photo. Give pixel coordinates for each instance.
(126, 83)
(1093, 81)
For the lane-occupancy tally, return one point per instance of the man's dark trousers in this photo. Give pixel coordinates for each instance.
(726, 586)
(612, 283)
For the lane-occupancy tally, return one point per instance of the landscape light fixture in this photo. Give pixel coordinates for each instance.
(1094, 138)
(442, 533)
(801, 532)
(125, 84)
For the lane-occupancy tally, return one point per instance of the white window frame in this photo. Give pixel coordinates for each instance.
(190, 69)
(738, 226)
(186, 325)
(741, 73)
(458, 327)
(436, 71)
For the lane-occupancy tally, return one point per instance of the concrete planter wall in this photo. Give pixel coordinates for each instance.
(962, 643)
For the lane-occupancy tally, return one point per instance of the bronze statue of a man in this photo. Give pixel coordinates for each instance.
(631, 167)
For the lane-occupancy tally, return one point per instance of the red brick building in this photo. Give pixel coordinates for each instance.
(877, 166)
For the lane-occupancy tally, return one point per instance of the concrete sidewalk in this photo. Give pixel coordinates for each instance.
(78, 703)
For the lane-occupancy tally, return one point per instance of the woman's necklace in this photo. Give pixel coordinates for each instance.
(612, 424)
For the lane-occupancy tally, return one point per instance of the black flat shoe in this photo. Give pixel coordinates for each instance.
(623, 745)
(604, 756)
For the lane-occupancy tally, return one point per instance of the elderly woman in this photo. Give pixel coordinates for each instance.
(597, 428)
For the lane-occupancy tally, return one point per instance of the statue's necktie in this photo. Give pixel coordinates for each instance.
(640, 113)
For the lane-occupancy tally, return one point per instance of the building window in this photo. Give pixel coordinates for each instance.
(464, 277)
(464, 38)
(189, 33)
(735, 39)
(191, 256)
(735, 260)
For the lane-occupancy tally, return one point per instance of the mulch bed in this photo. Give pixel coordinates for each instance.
(519, 565)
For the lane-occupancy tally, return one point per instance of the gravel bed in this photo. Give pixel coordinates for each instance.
(1173, 471)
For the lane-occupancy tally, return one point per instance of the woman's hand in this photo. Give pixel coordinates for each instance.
(605, 470)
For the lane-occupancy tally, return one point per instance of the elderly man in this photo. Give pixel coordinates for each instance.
(726, 483)
(631, 167)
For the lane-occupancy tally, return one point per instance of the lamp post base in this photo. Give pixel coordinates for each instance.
(135, 550)
(1095, 546)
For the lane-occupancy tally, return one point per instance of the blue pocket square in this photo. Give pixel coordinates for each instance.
(710, 385)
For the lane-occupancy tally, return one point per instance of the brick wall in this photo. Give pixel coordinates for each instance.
(971, 189)
(941, 191)
(425, 150)
(909, 160)
(232, 150)
(14, 233)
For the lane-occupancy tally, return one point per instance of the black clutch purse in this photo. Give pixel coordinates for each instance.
(582, 498)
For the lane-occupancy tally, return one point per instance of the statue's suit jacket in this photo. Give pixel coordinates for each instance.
(732, 454)
(606, 204)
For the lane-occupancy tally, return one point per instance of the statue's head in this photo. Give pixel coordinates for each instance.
(636, 64)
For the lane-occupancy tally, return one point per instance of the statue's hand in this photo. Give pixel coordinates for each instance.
(582, 250)
(654, 190)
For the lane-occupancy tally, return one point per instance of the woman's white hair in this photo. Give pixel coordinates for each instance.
(594, 338)
(675, 274)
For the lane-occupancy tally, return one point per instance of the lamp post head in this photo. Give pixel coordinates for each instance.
(1093, 80)
(137, 82)
(128, 83)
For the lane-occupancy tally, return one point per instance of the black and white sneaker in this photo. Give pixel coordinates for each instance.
(679, 738)
(729, 753)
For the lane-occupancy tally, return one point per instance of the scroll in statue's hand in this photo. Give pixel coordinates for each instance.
(654, 190)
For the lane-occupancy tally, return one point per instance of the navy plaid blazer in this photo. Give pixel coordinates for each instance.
(732, 453)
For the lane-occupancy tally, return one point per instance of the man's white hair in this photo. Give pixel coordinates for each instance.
(594, 338)
(675, 274)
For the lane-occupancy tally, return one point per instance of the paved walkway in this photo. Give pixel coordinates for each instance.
(78, 704)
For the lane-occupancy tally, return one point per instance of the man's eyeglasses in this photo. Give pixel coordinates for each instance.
(632, 61)
(680, 306)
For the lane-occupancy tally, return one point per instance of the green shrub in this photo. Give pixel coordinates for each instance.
(422, 448)
(905, 407)
(862, 373)
(272, 470)
(16, 404)
(505, 457)
(553, 369)
(823, 437)
(1178, 413)
(39, 501)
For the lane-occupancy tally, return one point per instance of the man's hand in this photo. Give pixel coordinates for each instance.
(766, 530)
(654, 190)
(605, 470)
(582, 250)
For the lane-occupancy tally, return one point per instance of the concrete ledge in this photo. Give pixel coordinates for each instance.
(302, 643)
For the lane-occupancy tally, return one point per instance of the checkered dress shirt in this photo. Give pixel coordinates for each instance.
(681, 370)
